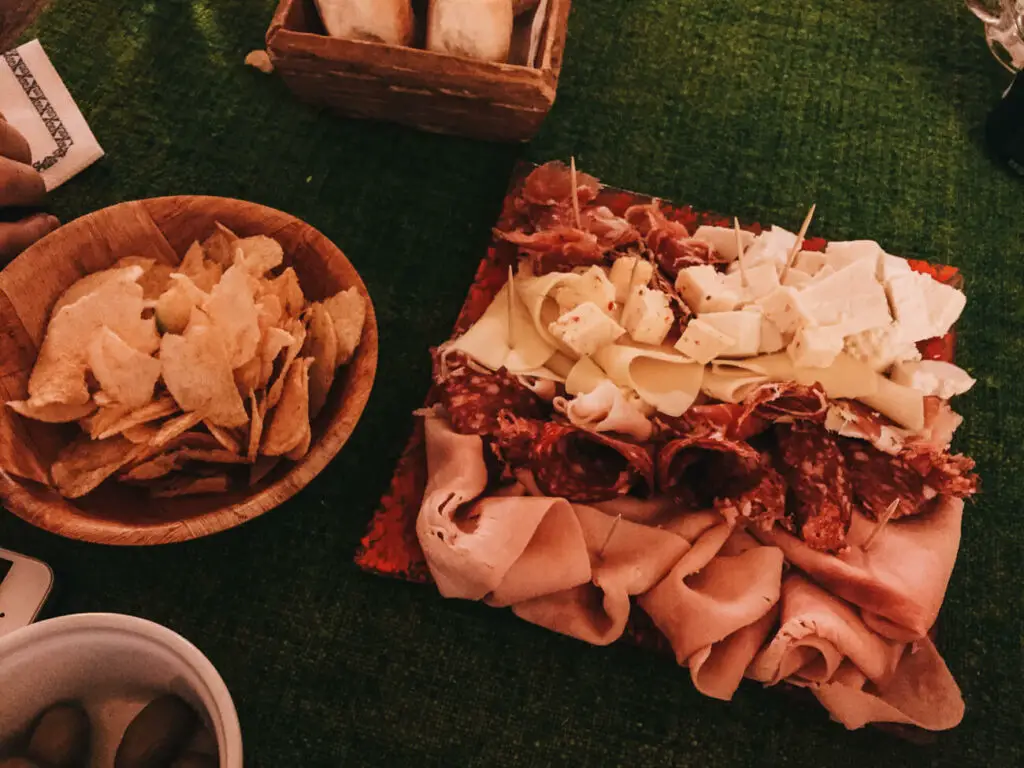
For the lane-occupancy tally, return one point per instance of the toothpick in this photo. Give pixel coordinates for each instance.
(511, 307)
(798, 244)
(885, 518)
(575, 195)
(632, 277)
(608, 538)
(739, 251)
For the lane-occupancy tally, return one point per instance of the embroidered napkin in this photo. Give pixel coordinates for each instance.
(34, 100)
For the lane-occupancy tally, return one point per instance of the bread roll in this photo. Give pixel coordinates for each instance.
(477, 29)
(376, 21)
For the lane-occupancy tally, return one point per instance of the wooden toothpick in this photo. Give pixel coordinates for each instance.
(739, 251)
(885, 518)
(511, 307)
(798, 244)
(608, 538)
(575, 193)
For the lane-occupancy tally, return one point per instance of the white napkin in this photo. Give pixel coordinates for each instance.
(34, 100)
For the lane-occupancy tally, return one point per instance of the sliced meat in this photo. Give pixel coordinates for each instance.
(610, 230)
(764, 504)
(706, 467)
(559, 249)
(551, 185)
(779, 402)
(474, 399)
(821, 495)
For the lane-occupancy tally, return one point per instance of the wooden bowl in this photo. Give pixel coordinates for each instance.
(161, 228)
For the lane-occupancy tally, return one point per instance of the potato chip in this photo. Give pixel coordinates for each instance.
(232, 311)
(158, 466)
(264, 466)
(140, 433)
(83, 464)
(298, 332)
(322, 345)
(302, 447)
(199, 377)
(174, 306)
(224, 437)
(59, 374)
(220, 246)
(269, 312)
(185, 485)
(274, 340)
(92, 282)
(52, 413)
(255, 427)
(258, 254)
(286, 287)
(114, 420)
(348, 311)
(247, 377)
(288, 422)
(195, 266)
(215, 456)
(123, 373)
(155, 276)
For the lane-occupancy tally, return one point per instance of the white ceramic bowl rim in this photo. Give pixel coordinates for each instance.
(225, 716)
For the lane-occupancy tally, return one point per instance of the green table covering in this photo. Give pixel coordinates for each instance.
(871, 108)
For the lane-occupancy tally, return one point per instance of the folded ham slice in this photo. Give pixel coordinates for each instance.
(605, 409)
(505, 549)
(902, 576)
(626, 559)
(724, 584)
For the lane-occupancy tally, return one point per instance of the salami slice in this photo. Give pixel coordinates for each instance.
(779, 402)
(913, 477)
(814, 467)
(705, 466)
(474, 399)
(574, 463)
(764, 504)
(713, 417)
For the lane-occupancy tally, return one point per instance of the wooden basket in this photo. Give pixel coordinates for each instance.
(423, 89)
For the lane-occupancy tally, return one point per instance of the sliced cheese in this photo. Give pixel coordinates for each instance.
(724, 240)
(846, 377)
(666, 381)
(703, 342)
(623, 270)
(590, 285)
(810, 262)
(890, 266)
(487, 340)
(743, 326)
(730, 386)
(560, 363)
(904, 405)
(584, 377)
(541, 306)
(704, 290)
(585, 329)
(647, 316)
(933, 378)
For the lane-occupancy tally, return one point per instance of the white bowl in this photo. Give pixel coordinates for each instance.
(113, 664)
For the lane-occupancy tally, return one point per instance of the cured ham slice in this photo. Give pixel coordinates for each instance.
(551, 185)
(706, 466)
(901, 577)
(922, 693)
(818, 633)
(574, 463)
(815, 469)
(626, 559)
(723, 584)
(611, 230)
(560, 249)
(777, 402)
(605, 409)
(505, 549)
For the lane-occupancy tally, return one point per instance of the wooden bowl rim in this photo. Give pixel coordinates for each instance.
(58, 516)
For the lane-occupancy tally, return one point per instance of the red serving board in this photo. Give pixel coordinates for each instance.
(390, 547)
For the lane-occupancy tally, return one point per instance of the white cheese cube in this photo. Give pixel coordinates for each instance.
(647, 316)
(586, 329)
(783, 308)
(591, 285)
(827, 271)
(909, 306)
(772, 340)
(762, 279)
(810, 262)
(890, 266)
(704, 290)
(623, 268)
(843, 253)
(881, 347)
(702, 342)
(851, 298)
(744, 326)
(724, 239)
(945, 304)
(795, 278)
(815, 346)
(933, 378)
(772, 246)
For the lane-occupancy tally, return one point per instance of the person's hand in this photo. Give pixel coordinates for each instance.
(20, 185)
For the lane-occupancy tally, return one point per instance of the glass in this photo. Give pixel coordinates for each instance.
(1004, 29)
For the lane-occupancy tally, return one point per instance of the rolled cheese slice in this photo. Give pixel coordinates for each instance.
(730, 386)
(666, 381)
(487, 340)
(904, 405)
(846, 377)
(584, 377)
(375, 21)
(476, 29)
(538, 296)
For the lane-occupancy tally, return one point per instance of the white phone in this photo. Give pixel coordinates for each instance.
(25, 583)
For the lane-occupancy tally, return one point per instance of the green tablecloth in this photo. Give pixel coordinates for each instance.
(871, 108)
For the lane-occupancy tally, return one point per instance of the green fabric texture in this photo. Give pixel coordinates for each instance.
(870, 108)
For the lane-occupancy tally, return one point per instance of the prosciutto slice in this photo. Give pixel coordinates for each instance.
(626, 559)
(776, 402)
(558, 249)
(901, 577)
(505, 549)
(724, 584)
(574, 463)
